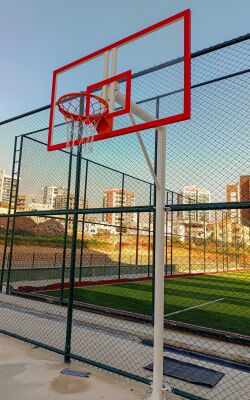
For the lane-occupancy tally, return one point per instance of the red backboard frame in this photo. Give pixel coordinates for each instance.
(186, 114)
(127, 75)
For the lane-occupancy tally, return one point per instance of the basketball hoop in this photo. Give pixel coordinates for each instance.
(83, 112)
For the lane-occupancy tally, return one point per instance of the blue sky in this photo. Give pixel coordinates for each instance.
(40, 36)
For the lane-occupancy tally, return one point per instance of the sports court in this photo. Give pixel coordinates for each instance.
(213, 301)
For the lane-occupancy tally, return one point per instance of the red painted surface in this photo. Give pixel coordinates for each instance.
(186, 114)
(56, 286)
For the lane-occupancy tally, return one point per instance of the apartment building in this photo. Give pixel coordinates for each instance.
(117, 198)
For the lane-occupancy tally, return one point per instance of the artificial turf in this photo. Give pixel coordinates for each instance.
(230, 313)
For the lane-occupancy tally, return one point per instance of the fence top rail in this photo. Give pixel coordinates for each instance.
(134, 209)
(209, 206)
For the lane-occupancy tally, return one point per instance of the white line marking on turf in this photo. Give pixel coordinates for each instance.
(191, 308)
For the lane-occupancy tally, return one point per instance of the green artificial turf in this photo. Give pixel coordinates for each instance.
(230, 313)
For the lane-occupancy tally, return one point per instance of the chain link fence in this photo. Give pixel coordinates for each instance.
(77, 236)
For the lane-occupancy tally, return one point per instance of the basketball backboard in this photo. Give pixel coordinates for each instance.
(124, 75)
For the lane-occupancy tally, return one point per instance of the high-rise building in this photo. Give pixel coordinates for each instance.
(61, 204)
(5, 187)
(236, 192)
(21, 202)
(50, 193)
(61, 201)
(233, 195)
(245, 196)
(1, 185)
(194, 195)
(113, 198)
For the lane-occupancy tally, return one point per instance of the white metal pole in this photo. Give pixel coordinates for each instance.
(105, 74)
(158, 393)
(112, 85)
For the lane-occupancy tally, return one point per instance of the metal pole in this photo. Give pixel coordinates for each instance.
(222, 239)
(9, 216)
(14, 209)
(83, 219)
(189, 243)
(137, 239)
(243, 248)
(166, 249)
(73, 253)
(171, 236)
(157, 113)
(149, 232)
(66, 227)
(121, 227)
(204, 243)
(227, 239)
(216, 241)
(157, 393)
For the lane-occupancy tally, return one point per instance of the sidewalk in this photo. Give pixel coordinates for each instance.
(28, 373)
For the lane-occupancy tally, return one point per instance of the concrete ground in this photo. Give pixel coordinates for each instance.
(28, 373)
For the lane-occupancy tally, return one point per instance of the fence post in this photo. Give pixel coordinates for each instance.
(83, 220)
(222, 240)
(73, 253)
(149, 230)
(227, 239)
(137, 239)
(15, 203)
(189, 244)
(121, 226)
(171, 237)
(216, 241)
(66, 227)
(166, 243)
(204, 243)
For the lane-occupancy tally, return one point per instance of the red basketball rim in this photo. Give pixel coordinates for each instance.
(77, 117)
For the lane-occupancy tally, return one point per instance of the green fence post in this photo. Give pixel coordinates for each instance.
(73, 250)
(66, 227)
(121, 227)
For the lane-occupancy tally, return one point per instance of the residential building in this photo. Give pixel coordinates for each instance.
(245, 196)
(50, 193)
(230, 232)
(34, 206)
(194, 195)
(21, 202)
(113, 198)
(237, 192)
(5, 187)
(61, 204)
(233, 195)
(61, 201)
(1, 185)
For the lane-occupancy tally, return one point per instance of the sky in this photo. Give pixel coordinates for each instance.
(39, 36)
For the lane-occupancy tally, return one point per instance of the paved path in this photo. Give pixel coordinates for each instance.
(28, 373)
